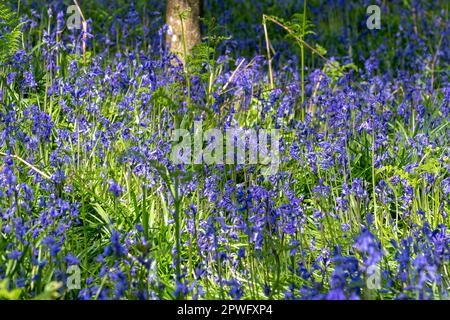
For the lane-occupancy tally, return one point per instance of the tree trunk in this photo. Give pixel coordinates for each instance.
(191, 25)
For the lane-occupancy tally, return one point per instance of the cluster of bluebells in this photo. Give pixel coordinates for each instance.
(358, 208)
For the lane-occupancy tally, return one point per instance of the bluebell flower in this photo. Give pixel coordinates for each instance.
(71, 259)
(115, 188)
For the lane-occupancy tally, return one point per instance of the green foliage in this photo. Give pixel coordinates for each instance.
(336, 70)
(50, 291)
(10, 33)
(8, 294)
(203, 58)
(298, 26)
(154, 200)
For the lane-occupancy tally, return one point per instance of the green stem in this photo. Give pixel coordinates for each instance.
(177, 233)
(145, 213)
(302, 48)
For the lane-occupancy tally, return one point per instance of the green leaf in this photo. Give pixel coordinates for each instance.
(7, 294)
(10, 33)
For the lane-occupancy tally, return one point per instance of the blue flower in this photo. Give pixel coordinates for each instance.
(115, 188)
(14, 255)
(71, 259)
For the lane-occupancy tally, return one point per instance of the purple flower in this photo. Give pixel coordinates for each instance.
(115, 188)
(14, 255)
(71, 259)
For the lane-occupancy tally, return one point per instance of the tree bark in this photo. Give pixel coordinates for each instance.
(191, 25)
